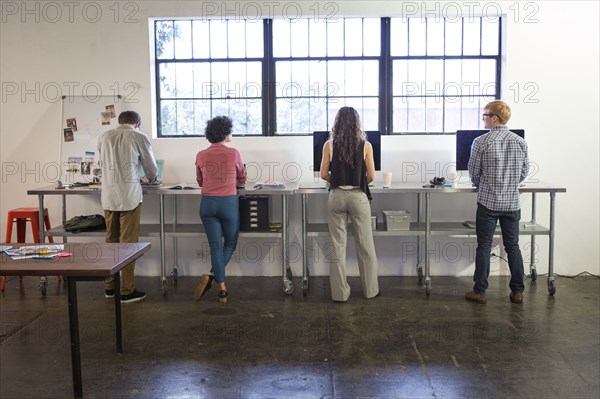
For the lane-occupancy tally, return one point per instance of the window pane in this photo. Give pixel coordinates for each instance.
(236, 41)
(399, 39)
(370, 78)
(454, 36)
(417, 36)
(372, 36)
(416, 114)
(284, 115)
(164, 39)
(281, 38)
(218, 39)
(470, 77)
(354, 78)
(335, 37)
(471, 113)
(201, 115)
(317, 31)
(283, 72)
(400, 115)
(471, 36)
(202, 84)
(219, 72)
(300, 78)
(168, 117)
(318, 78)
(183, 45)
(185, 117)
(400, 76)
(435, 36)
(184, 77)
(300, 38)
(434, 81)
(434, 107)
(254, 39)
(488, 78)
(452, 114)
(200, 37)
(336, 76)
(369, 113)
(353, 38)
(254, 80)
(416, 76)
(489, 36)
(167, 80)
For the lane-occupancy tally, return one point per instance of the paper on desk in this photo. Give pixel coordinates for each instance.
(29, 251)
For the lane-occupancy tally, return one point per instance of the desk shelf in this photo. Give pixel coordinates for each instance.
(153, 230)
(419, 229)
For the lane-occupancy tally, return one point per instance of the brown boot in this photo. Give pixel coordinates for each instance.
(477, 297)
(516, 297)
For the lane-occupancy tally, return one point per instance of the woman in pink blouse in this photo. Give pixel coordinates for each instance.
(219, 170)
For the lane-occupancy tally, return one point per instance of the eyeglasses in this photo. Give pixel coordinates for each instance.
(483, 116)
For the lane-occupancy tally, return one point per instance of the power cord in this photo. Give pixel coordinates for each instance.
(584, 273)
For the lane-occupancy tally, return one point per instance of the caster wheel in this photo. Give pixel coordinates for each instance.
(174, 273)
(43, 285)
(288, 287)
(533, 274)
(427, 287)
(304, 288)
(551, 287)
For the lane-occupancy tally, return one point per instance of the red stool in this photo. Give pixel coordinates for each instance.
(21, 216)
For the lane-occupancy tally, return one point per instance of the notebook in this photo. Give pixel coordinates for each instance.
(159, 178)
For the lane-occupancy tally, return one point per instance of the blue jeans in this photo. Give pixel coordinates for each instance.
(221, 219)
(485, 226)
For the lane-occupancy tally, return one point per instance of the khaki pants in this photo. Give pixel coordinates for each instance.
(355, 203)
(123, 226)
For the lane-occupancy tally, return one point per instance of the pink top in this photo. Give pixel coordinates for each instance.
(219, 170)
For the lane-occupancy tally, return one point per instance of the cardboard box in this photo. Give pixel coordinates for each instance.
(397, 220)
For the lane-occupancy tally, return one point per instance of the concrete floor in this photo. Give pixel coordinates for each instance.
(263, 344)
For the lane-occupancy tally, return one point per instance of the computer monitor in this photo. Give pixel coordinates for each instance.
(464, 142)
(320, 137)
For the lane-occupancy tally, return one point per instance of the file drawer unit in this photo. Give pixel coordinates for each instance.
(254, 213)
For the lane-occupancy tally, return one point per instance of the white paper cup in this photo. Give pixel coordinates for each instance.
(387, 179)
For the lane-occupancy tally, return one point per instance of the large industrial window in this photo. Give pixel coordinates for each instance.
(283, 77)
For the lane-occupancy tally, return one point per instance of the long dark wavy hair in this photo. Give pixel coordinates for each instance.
(347, 134)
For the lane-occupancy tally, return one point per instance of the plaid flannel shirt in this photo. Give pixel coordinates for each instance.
(498, 163)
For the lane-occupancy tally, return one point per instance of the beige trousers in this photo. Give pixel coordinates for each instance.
(123, 226)
(353, 203)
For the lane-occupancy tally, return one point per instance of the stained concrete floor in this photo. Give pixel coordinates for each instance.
(264, 344)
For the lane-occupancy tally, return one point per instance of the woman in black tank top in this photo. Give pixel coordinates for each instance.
(348, 166)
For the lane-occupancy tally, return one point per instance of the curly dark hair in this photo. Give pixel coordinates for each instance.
(218, 128)
(347, 133)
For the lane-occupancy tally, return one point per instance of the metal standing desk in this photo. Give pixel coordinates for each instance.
(424, 227)
(91, 261)
(174, 230)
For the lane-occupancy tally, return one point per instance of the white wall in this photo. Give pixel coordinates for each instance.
(550, 79)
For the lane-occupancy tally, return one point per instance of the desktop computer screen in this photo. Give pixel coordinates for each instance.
(320, 137)
(464, 141)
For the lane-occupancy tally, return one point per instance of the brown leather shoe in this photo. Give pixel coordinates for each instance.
(473, 296)
(206, 281)
(516, 297)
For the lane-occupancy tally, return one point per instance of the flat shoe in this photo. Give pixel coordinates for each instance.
(206, 281)
(222, 296)
(477, 297)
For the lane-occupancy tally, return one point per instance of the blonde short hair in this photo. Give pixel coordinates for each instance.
(500, 109)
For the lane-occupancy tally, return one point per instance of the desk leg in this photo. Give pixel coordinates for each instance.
(163, 256)
(288, 286)
(427, 242)
(551, 286)
(175, 271)
(532, 268)
(419, 220)
(41, 217)
(305, 277)
(74, 330)
(118, 325)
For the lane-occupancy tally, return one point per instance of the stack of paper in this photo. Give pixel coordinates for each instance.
(269, 184)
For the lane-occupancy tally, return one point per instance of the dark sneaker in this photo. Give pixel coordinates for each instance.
(474, 296)
(516, 297)
(133, 297)
(206, 281)
(109, 294)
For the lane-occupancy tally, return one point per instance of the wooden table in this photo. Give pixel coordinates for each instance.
(90, 261)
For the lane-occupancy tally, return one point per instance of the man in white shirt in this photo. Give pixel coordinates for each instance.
(123, 151)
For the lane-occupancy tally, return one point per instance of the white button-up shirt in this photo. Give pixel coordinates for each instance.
(123, 152)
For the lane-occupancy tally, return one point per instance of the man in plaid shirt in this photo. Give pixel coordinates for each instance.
(498, 163)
